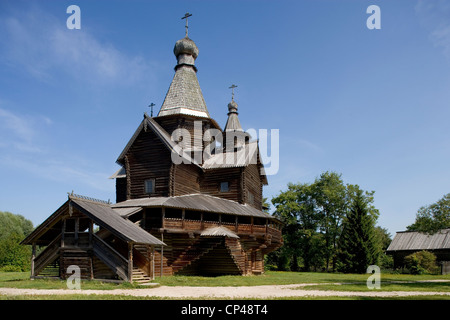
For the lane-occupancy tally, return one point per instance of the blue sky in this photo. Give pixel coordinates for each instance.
(372, 105)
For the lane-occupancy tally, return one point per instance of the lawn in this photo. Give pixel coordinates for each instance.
(358, 281)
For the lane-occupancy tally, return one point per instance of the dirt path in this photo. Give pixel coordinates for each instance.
(258, 292)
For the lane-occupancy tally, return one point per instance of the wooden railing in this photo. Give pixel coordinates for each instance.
(47, 255)
(240, 228)
(110, 257)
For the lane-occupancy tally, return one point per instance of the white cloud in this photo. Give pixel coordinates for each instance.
(434, 16)
(20, 131)
(43, 47)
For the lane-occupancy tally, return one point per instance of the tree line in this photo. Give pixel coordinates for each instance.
(328, 226)
(13, 229)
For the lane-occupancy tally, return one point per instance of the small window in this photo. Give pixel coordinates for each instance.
(149, 186)
(224, 187)
(251, 198)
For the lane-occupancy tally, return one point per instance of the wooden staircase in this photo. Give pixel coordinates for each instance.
(140, 276)
(194, 252)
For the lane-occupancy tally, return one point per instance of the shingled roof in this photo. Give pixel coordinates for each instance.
(184, 95)
(416, 241)
(103, 215)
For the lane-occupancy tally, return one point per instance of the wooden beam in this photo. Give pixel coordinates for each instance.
(162, 255)
(183, 214)
(130, 262)
(63, 231)
(77, 226)
(33, 256)
(153, 262)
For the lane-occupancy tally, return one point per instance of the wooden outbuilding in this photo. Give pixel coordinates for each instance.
(408, 242)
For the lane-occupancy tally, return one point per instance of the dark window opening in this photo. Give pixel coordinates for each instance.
(224, 186)
(210, 216)
(173, 213)
(149, 186)
(192, 215)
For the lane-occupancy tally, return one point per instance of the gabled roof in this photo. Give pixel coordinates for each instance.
(197, 202)
(247, 154)
(150, 123)
(416, 241)
(103, 215)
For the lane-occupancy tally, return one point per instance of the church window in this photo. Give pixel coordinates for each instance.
(149, 186)
(224, 186)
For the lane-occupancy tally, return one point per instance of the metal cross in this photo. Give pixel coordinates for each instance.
(232, 91)
(151, 105)
(186, 16)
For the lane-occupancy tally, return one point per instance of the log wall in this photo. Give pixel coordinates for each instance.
(148, 158)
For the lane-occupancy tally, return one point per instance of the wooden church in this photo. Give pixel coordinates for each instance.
(188, 199)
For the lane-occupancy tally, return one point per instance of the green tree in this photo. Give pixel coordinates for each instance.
(421, 262)
(296, 208)
(432, 218)
(358, 244)
(13, 229)
(331, 203)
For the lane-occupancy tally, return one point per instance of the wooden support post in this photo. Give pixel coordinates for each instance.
(130, 262)
(220, 219)
(91, 231)
(149, 260)
(63, 231)
(144, 220)
(251, 225)
(153, 262)
(77, 225)
(183, 214)
(162, 255)
(163, 216)
(236, 224)
(202, 225)
(33, 256)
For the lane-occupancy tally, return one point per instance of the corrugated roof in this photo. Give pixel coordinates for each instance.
(198, 202)
(415, 241)
(243, 157)
(219, 232)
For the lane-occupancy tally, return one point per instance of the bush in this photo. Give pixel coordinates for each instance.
(422, 262)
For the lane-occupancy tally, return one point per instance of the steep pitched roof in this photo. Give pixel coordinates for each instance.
(233, 123)
(103, 215)
(184, 95)
(150, 123)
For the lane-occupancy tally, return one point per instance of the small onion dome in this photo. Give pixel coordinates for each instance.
(185, 46)
(232, 107)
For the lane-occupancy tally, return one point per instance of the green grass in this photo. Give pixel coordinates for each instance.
(351, 282)
(279, 277)
(22, 280)
(385, 286)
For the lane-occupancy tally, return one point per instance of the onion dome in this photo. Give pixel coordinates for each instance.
(185, 46)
